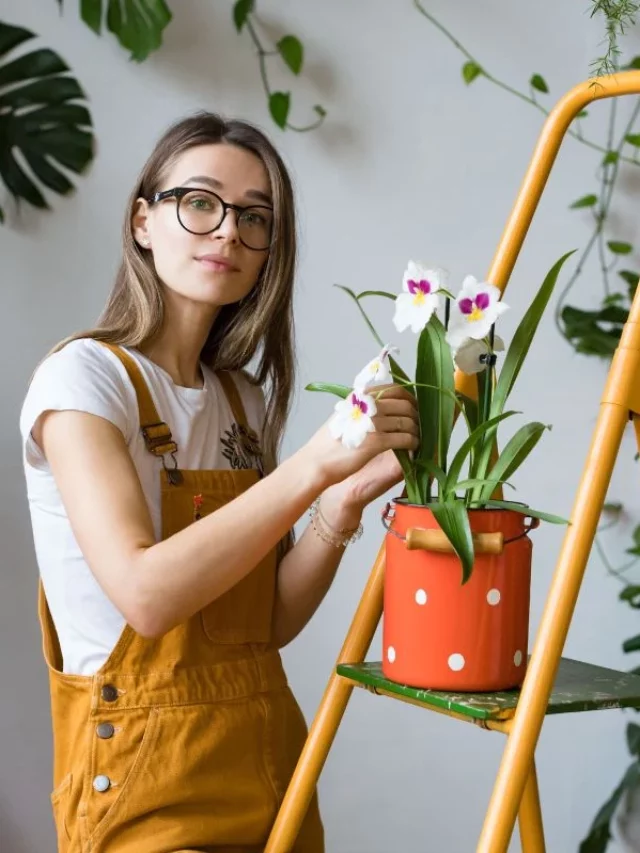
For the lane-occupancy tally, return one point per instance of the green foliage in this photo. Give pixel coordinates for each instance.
(43, 117)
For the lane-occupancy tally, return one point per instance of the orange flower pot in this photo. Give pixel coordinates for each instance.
(441, 634)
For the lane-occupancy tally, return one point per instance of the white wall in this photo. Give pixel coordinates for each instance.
(410, 164)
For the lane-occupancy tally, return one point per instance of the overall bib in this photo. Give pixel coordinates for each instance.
(186, 742)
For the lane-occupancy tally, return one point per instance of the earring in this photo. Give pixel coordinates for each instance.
(145, 241)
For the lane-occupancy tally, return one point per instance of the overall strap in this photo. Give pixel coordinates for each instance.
(157, 435)
(233, 397)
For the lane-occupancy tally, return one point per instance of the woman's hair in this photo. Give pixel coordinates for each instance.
(259, 325)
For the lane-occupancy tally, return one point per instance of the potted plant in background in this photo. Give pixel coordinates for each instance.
(458, 558)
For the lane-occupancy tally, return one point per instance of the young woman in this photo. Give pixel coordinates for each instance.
(161, 521)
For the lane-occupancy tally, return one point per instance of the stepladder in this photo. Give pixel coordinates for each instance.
(552, 684)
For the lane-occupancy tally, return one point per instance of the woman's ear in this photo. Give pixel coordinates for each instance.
(140, 222)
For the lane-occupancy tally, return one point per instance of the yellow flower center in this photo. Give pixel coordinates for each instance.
(356, 413)
(418, 297)
(476, 314)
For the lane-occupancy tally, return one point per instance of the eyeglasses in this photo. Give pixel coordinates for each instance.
(202, 212)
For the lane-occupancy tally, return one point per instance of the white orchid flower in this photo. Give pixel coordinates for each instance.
(352, 419)
(468, 356)
(376, 372)
(419, 299)
(475, 310)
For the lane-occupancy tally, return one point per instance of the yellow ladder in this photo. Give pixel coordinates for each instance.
(551, 685)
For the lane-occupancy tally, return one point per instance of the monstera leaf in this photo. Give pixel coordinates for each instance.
(42, 125)
(137, 24)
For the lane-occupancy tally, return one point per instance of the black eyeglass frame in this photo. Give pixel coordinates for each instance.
(180, 192)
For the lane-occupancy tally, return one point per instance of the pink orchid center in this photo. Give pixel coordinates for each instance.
(474, 308)
(419, 289)
(358, 407)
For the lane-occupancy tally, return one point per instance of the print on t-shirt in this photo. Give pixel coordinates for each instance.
(241, 447)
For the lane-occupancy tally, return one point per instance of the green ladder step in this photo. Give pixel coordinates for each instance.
(578, 687)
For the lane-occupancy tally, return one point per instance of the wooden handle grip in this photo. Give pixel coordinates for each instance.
(435, 540)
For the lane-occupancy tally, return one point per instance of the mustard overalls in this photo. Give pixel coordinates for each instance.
(186, 742)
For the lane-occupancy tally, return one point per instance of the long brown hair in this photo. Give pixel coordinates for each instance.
(261, 325)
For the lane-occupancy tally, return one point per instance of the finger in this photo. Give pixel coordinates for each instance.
(393, 392)
(396, 406)
(396, 424)
(400, 440)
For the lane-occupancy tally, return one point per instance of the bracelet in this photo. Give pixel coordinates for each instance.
(337, 538)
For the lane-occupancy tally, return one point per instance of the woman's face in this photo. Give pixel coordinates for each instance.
(216, 268)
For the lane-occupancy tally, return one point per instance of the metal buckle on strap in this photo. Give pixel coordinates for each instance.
(158, 438)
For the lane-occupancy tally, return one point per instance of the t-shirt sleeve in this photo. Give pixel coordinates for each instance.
(82, 377)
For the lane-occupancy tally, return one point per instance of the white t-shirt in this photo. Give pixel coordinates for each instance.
(85, 376)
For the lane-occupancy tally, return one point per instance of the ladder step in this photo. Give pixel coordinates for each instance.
(578, 687)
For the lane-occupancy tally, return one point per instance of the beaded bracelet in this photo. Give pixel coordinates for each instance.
(337, 538)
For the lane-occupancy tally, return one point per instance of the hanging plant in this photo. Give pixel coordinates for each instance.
(137, 24)
(44, 127)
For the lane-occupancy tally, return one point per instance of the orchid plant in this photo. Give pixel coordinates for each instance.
(450, 483)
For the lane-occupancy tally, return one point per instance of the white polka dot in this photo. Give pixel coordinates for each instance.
(517, 658)
(421, 597)
(456, 662)
(391, 654)
(493, 597)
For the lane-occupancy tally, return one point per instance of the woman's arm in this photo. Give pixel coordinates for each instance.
(159, 585)
(307, 571)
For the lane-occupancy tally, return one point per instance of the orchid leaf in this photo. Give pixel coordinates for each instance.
(384, 293)
(525, 510)
(426, 471)
(466, 448)
(523, 337)
(454, 522)
(515, 452)
(437, 409)
(329, 388)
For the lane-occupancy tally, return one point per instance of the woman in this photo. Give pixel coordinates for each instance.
(169, 577)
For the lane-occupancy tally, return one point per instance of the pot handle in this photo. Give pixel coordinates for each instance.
(435, 540)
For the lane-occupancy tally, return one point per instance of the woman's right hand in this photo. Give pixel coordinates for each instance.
(397, 427)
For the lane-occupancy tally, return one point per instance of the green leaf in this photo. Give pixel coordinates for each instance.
(279, 103)
(525, 510)
(632, 645)
(619, 248)
(585, 332)
(633, 739)
(138, 25)
(473, 482)
(599, 834)
(615, 508)
(514, 454)
(633, 139)
(471, 70)
(635, 63)
(585, 201)
(408, 472)
(42, 118)
(538, 82)
(292, 52)
(384, 293)
(636, 534)
(610, 157)
(631, 594)
(241, 11)
(427, 469)
(582, 114)
(523, 337)
(630, 277)
(466, 448)
(454, 522)
(320, 110)
(469, 409)
(329, 388)
(435, 367)
(91, 14)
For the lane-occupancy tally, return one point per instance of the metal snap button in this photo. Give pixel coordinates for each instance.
(109, 693)
(101, 784)
(105, 730)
